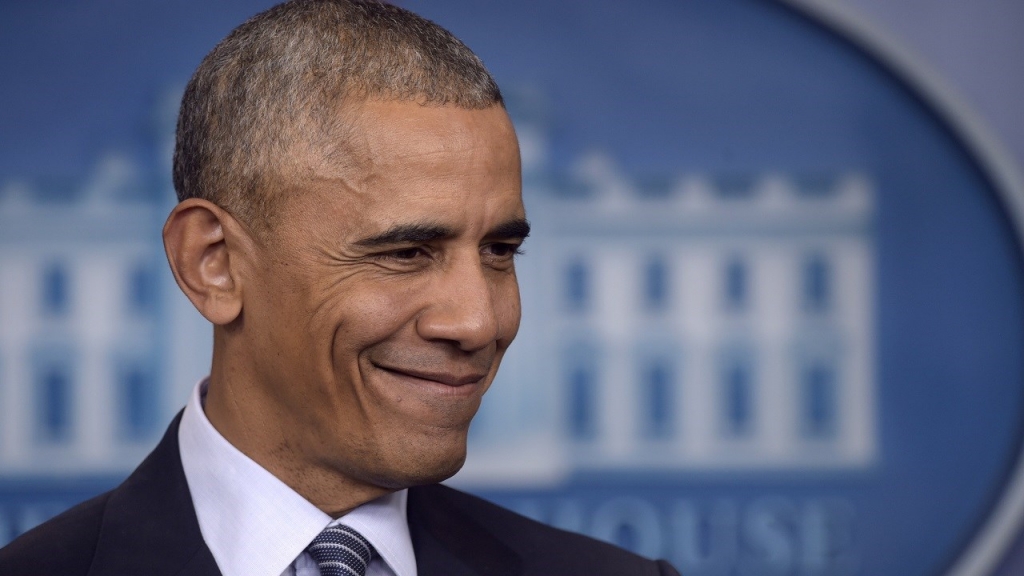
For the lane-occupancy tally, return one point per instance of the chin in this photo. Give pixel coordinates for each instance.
(439, 473)
(424, 465)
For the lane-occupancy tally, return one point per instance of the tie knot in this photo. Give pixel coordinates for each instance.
(341, 551)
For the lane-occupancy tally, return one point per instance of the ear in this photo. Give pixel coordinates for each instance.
(203, 244)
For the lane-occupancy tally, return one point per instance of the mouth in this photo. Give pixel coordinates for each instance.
(452, 379)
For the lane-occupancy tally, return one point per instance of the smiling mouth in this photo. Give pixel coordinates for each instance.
(446, 378)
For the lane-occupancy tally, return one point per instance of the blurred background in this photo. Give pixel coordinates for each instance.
(773, 316)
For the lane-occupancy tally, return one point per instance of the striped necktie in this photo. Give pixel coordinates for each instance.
(341, 551)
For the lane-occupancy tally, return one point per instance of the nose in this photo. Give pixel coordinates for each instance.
(462, 307)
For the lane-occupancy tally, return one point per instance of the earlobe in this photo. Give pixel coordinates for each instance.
(200, 255)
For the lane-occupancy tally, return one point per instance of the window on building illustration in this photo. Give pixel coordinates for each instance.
(140, 417)
(582, 404)
(736, 285)
(577, 285)
(55, 290)
(53, 402)
(142, 287)
(818, 399)
(738, 396)
(817, 284)
(658, 381)
(656, 286)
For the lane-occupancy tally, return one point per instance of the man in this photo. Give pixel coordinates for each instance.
(350, 211)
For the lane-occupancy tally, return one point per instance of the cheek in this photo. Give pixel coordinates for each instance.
(346, 324)
(362, 314)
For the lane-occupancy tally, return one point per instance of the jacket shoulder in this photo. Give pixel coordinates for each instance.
(63, 545)
(545, 549)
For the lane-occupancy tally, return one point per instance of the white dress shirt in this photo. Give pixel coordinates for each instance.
(254, 524)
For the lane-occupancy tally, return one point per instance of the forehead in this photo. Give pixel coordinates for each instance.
(405, 134)
(399, 160)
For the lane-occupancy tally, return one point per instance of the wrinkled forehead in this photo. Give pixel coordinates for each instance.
(411, 156)
(375, 138)
(376, 132)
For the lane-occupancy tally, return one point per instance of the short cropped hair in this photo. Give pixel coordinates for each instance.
(284, 75)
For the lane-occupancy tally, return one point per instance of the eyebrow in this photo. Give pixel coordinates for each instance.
(518, 228)
(408, 234)
(511, 229)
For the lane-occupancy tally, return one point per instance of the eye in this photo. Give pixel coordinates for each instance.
(405, 253)
(410, 254)
(503, 249)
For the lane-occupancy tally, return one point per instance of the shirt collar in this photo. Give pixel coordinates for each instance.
(253, 523)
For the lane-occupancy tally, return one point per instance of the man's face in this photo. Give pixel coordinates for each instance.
(383, 300)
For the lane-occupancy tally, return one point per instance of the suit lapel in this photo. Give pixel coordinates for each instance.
(149, 525)
(448, 542)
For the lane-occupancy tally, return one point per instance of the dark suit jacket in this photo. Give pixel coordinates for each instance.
(147, 527)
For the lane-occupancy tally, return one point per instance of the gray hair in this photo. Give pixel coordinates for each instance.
(283, 74)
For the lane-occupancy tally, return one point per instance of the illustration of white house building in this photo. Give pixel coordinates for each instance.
(693, 323)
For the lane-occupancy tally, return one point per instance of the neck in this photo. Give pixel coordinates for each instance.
(251, 422)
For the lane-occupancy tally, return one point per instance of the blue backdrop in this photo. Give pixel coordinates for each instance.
(695, 117)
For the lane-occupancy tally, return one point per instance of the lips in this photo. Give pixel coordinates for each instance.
(454, 379)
